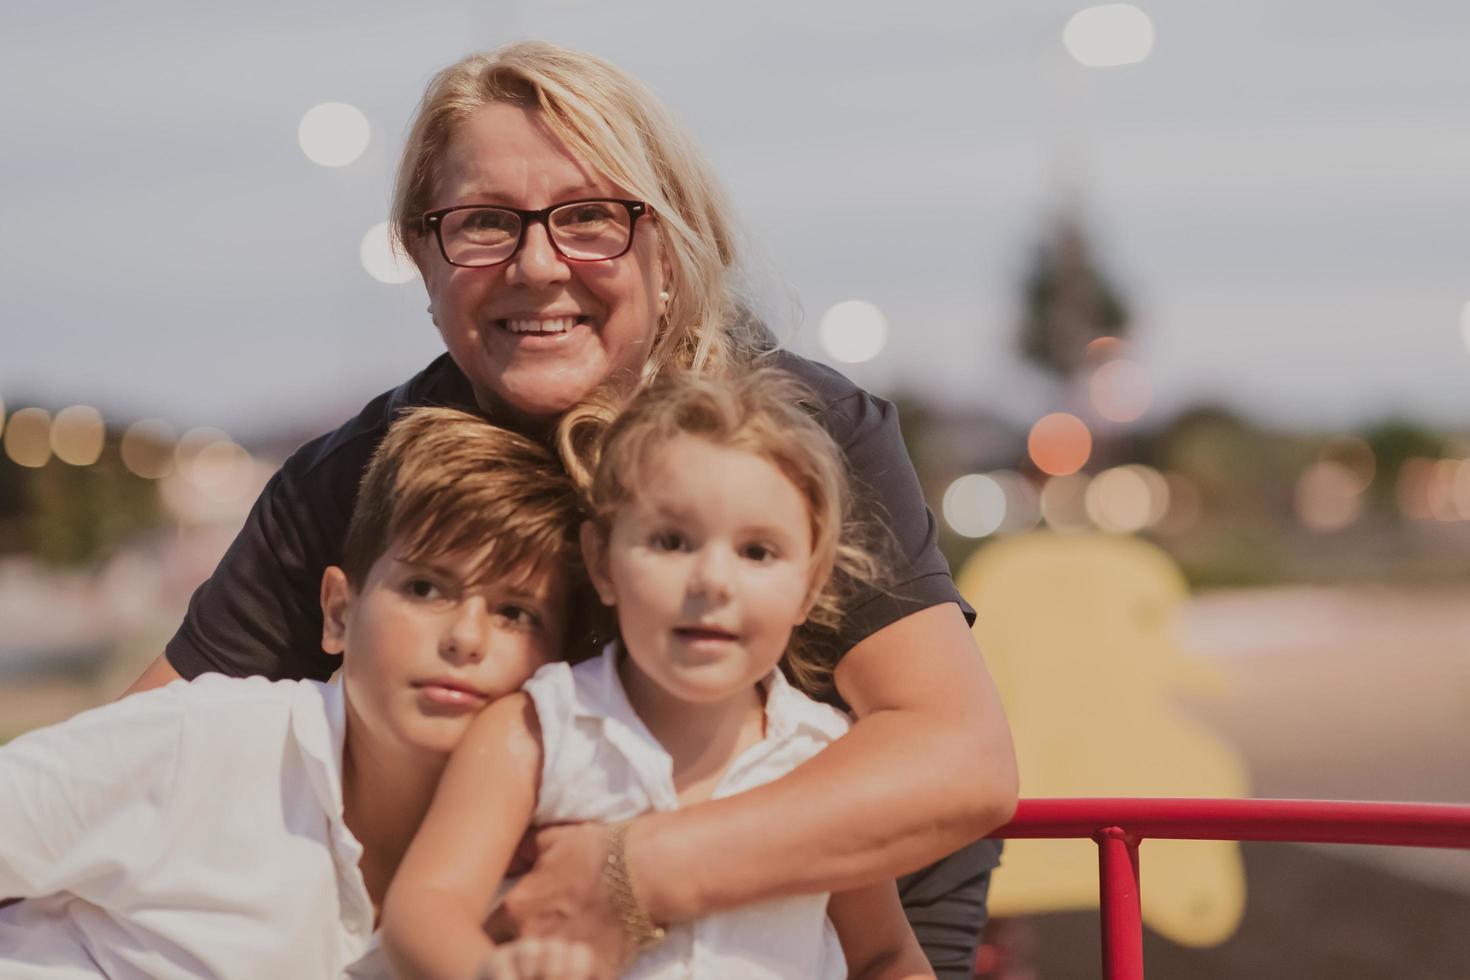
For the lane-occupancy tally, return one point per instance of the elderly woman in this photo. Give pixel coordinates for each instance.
(569, 234)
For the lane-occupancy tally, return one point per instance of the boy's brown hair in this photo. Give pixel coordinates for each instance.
(445, 482)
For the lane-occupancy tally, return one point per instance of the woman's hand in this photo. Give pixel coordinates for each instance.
(541, 959)
(564, 895)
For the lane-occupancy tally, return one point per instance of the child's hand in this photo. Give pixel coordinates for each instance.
(540, 959)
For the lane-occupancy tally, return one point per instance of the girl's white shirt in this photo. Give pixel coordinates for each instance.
(602, 763)
(192, 831)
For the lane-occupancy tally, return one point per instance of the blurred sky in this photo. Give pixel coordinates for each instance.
(1282, 190)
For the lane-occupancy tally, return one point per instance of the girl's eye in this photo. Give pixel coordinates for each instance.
(757, 553)
(519, 615)
(667, 541)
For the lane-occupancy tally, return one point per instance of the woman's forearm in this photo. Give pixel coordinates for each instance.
(927, 768)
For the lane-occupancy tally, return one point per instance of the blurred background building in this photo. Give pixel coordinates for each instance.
(1189, 273)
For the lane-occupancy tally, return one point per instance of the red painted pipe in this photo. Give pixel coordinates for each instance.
(1119, 824)
(1122, 922)
(1303, 821)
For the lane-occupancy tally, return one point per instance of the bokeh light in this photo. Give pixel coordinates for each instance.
(1109, 35)
(28, 437)
(333, 134)
(147, 448)
(1103, 349)
(853, 331)
(1328, 497)
(198, 460)
(77, 435)
(1023, 506)
(974, 505)
(1064, 502)
(381, 260)
(1440, 490)
(1462, 489)
(1354, 455)
(1059, 444)
(1120, 390)
(1120, 500)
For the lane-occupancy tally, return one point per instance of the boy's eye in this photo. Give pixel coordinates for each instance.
(668, 541)
(422, 588)
(519, 615)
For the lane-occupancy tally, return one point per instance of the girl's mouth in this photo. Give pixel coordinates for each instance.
(696, 633)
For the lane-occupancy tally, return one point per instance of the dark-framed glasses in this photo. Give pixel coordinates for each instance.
(591, 230)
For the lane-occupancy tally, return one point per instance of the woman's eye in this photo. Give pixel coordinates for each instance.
(668, 541)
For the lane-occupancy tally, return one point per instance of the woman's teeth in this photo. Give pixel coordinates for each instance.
(558, 325)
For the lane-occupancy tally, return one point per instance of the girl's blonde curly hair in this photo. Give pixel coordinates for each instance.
(608, 443)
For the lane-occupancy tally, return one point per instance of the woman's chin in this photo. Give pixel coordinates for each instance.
(542, 395)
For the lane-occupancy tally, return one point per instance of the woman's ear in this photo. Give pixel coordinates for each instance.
(336, 600)
(594, 556)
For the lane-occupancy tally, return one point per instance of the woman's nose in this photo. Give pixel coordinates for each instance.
(536, 262)
(466, 632)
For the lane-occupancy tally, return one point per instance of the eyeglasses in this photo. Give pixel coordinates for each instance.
(592, 230)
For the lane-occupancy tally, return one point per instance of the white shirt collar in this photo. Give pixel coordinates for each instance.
(786, 709)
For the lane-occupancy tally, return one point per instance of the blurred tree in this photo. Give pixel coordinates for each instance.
(1069, 303)
(77, 515)
(1393, 441)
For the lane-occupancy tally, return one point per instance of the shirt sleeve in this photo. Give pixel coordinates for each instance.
(84, 804)
(259, 612)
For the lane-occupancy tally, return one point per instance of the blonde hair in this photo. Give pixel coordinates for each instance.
(765, 412)
(618, 126)
(445, 482)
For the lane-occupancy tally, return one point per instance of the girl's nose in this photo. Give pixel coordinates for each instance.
(536, 263)
(710, 577)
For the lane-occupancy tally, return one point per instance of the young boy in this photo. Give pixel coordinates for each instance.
(248, 828)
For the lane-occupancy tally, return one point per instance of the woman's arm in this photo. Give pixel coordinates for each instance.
(927, 768)
(433, 917)
(876, 939)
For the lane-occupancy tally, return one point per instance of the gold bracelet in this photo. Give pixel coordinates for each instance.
(637, 924)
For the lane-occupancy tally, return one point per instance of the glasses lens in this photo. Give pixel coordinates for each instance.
(591, 229)
(480, 236)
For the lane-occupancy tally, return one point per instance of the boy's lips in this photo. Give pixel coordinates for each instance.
(448, 692)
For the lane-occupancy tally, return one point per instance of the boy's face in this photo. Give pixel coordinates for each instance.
(425, 652)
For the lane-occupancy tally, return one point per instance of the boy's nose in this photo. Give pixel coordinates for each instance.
(464, 635)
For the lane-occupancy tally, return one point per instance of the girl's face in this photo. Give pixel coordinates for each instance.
(709, 568)
(536, 333)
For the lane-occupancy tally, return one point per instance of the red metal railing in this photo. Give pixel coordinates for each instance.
(1119, 825)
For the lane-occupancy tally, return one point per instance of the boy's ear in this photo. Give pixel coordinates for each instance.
(336, 599)
(594, 556)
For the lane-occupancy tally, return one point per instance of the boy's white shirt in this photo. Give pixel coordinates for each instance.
(192, 831)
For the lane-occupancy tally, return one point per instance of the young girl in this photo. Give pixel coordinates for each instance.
(716, 511)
